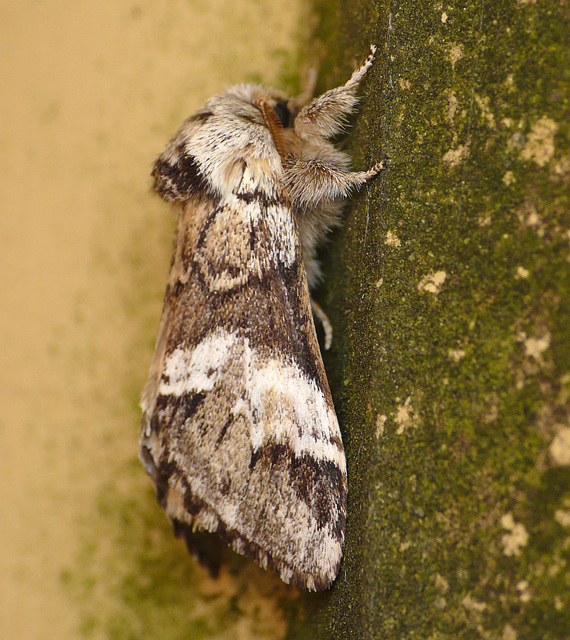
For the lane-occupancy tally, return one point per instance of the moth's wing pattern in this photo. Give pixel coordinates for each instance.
(239, 431)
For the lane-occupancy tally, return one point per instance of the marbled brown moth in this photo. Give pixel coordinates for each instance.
(239, 431)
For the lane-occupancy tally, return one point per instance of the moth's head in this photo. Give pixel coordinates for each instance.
(254, 95)
(269, 107)
(247, 120)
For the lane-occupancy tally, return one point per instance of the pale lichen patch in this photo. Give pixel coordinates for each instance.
(561, 169)
(564, 393)
(528, 215)
(522, 273)
(392, 239)
(404, 416)
(560, 447)
(380, 422)
(483, 104)
(516, 141)
(535, 347)
(454, 156)
(451, 105)
(509, 633)
(516, 538)
(473, 605)
(562, 517)
(523, 588)
(491, 412)
(433, 282)
(456, 354)
(539, 146)
(455, 54)
(441, 584)
(508, 178)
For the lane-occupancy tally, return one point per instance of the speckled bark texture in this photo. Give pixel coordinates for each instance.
(449, 291)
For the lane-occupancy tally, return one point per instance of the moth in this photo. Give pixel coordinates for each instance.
(239, 431)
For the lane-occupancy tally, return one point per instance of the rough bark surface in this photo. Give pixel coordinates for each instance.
(449, 291)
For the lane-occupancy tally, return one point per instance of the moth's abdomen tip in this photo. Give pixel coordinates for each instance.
(319, 577)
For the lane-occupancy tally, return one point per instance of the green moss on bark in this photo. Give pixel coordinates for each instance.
(449, 290)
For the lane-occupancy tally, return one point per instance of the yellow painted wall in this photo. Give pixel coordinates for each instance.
(91, 91)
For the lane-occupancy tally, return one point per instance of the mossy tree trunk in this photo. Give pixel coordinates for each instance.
(450, 294)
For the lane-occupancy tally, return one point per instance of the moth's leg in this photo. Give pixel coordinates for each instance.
(324, 319)
(325, 115)
(309, 183)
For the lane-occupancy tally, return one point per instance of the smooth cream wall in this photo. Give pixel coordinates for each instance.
(91, 91)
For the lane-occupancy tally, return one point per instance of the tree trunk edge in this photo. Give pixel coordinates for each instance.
(448, 289)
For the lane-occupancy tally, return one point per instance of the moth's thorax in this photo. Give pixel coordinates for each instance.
(233, 144)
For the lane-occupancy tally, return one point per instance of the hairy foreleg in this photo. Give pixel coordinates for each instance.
(309, 183)
(326, 115)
